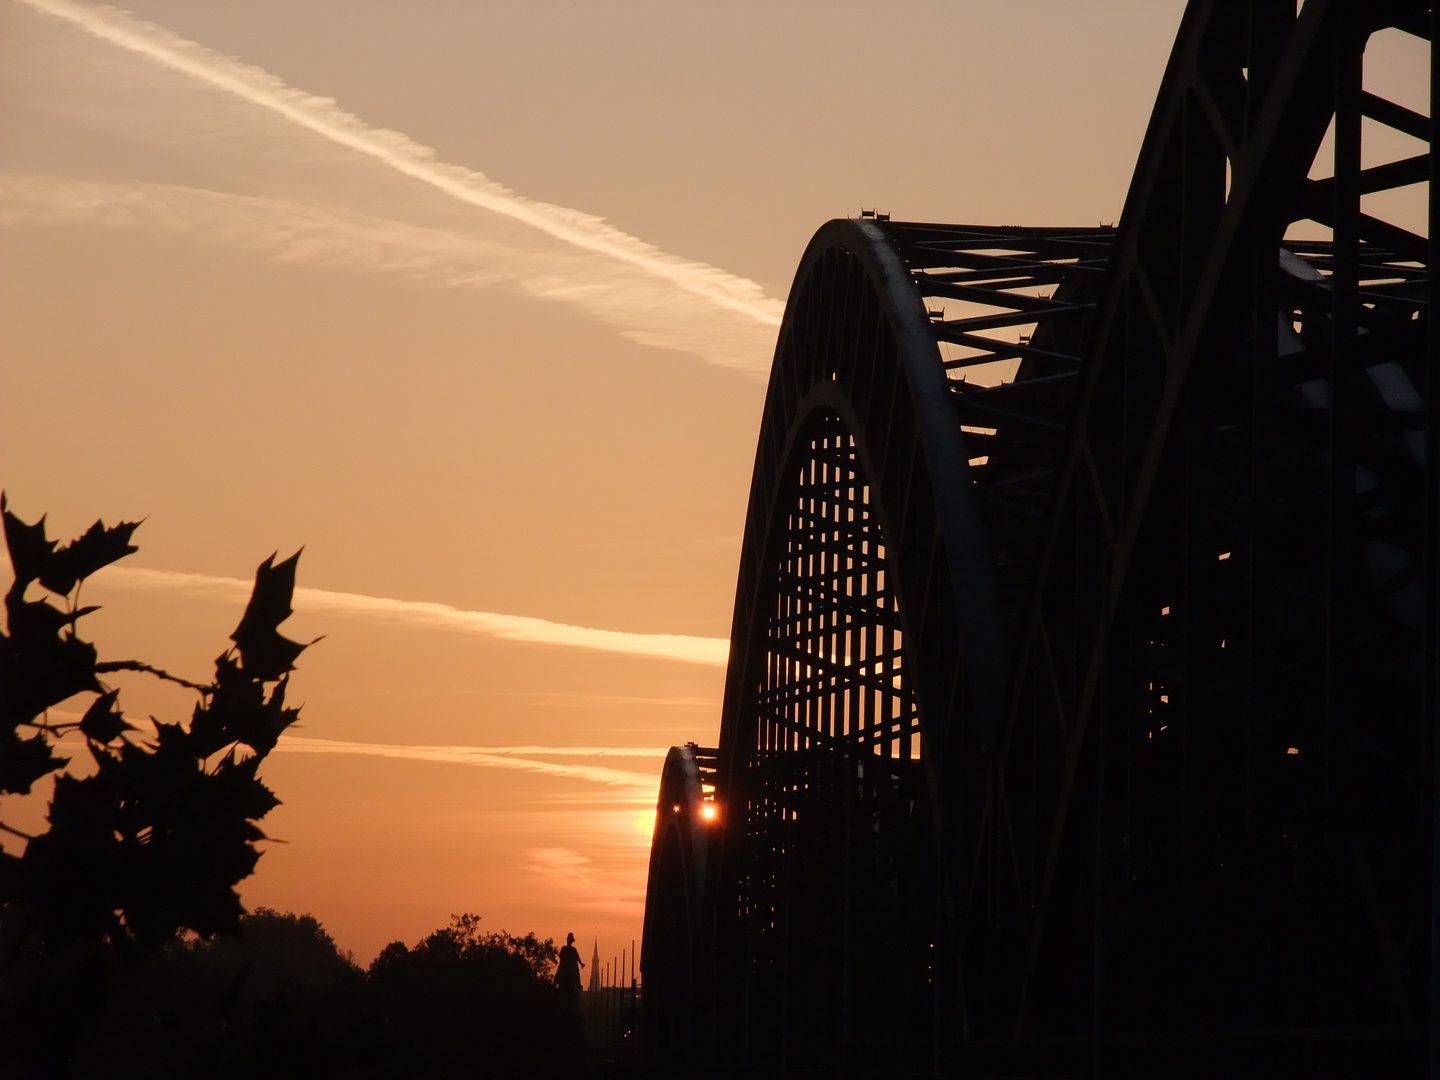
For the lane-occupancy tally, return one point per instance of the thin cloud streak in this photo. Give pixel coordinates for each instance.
(283, 229)
(443, 252)
(503, 757)
(587, 886)
(321, 117)
(547, 698)
(495, 757)
(532, 751)
(522, 628)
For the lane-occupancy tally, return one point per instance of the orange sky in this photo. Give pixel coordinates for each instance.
(262, 319)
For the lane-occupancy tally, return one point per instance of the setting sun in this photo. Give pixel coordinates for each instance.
(644, 823)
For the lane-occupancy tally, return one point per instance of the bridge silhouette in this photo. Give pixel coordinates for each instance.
(1081, 707)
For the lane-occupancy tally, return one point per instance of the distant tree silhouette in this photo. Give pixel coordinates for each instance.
(465, 931)
(281, 1001)
(278, 1000)
(155, 839)
(463, 1003)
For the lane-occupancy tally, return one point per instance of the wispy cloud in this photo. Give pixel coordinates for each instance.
(546, 698)
(280, 228)
(584, 885)
(501, 757)
(582, 259)
(679, 647)
(640, 787)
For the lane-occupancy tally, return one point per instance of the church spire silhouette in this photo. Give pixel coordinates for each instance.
(595, 967)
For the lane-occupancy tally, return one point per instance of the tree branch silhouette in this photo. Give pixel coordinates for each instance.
(159, 673)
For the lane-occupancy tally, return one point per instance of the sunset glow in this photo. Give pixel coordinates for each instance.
(476, 304)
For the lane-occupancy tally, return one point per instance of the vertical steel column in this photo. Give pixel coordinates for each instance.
(845, 1004)
(938, 965)
(1340, 605)
(1430, 691)
(1097, 1001)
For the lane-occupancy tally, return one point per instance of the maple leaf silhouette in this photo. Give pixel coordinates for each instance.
(23, 761)
(265, 653)
(29, 549)
(77, 560)
(103, 721)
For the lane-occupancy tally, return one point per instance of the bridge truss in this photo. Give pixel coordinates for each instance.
(1082, 695)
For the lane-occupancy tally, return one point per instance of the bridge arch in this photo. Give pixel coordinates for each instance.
(865, 653)
(685, 817)
(857, 364)
(864, 581)
(891, 504)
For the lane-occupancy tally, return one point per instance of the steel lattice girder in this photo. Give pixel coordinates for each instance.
(1082, 691)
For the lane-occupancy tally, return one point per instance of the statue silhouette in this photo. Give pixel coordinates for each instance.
(567, 972)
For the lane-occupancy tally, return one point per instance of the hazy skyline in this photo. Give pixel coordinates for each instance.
(475, 302)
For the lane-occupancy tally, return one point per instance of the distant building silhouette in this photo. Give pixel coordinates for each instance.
(595, 967)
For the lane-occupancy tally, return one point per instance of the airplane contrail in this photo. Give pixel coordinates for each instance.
(398, 152)
(457, 254)
(505, 757)
(498, 757)
(680, 647)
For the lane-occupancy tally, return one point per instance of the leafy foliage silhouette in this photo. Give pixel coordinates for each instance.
(281, 1000)
(464, 935)
(154, 840)
(463, 1003)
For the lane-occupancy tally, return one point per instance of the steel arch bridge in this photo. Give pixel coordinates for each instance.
(1081, 702)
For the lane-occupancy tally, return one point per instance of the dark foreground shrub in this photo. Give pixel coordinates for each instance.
(279, 1000)
(282, 1001)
